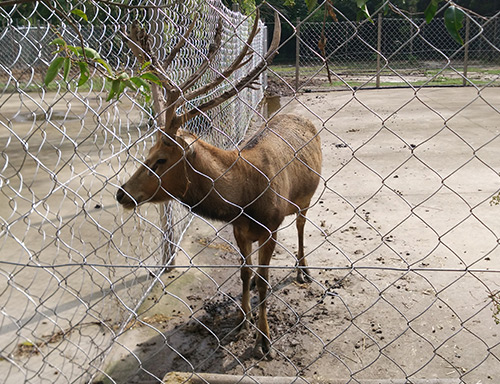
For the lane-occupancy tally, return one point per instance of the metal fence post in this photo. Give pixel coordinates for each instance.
(466, 52)
(495, 38)
(379, 49)
(168, 249)
(297, 54)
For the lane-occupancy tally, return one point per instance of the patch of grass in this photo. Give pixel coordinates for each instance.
(486, 71)
(283, 69)
(436, 82)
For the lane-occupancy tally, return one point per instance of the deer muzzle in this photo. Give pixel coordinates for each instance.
(125, 199)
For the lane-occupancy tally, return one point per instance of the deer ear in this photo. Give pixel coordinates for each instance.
(186, 142)
(167, 140)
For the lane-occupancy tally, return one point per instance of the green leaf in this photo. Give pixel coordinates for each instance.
(53, 69)
(364, 14)
(151, 77)
(58, 41)
(67, 67)
(80, 13)
(76, 50)
(430, 11)
(453, 21)
(106, 65)
(144, 65)
(89, 53)
(140, 83)
(130, 84)
(311, 4)
(123, 85)
(124, 76)
(84, 73)
(363, 11)
(143, 87)
(115, 89)
(92, 53)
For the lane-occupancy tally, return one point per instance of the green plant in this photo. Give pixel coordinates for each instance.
(84, 58)
(495, 200)
(495, 299)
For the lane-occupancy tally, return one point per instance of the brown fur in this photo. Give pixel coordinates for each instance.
(275, 174)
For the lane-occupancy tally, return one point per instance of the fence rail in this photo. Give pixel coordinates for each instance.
(402, 236)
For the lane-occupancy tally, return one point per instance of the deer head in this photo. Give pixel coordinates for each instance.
(163, 174)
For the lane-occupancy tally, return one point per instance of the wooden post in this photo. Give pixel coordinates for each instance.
(466, 49)
(297, 54)
(379, 48)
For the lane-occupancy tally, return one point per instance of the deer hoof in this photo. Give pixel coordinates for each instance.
(262, 350)
(303, 276)
(244, 321)
(244, 325)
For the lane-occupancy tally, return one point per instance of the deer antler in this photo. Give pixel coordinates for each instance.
(236, 64)
(246, 82)
(177, 96)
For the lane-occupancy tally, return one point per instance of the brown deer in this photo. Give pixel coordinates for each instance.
(274, 174)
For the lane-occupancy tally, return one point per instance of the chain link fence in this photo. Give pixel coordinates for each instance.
(74, 270)
(395, 51)
(402, 238)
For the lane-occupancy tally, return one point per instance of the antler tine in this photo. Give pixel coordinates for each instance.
(182, 41)
(134, 40)
(212, 51)
(236, 64)
(246, 82)
(273, 48)
(172, 92)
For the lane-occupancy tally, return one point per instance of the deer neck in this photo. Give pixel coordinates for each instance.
(210, 173)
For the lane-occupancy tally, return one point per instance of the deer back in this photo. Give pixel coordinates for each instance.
(273, 174)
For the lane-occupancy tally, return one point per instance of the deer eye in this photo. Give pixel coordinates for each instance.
(155, 166)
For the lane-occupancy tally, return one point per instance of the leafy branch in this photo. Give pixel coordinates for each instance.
(84, 58)
(454, 17)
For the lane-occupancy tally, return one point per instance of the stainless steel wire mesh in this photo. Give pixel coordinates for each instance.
(73, 270)
(402, 238)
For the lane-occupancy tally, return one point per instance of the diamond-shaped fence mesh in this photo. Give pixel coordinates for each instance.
(396, 50)
(401, 236)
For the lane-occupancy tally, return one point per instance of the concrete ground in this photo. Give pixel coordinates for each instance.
(402, 241)
(403, 245)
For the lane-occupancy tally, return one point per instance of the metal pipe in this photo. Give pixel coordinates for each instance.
(215, 378)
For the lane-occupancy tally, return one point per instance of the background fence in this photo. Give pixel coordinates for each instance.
(402, 238)
(397, 49)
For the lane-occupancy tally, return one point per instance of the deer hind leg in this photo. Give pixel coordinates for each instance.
(303, 274)
(245, 246)
(263, 342)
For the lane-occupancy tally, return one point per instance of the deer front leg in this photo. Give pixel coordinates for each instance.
(263, 343)
(303, 274)
(245, 246)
